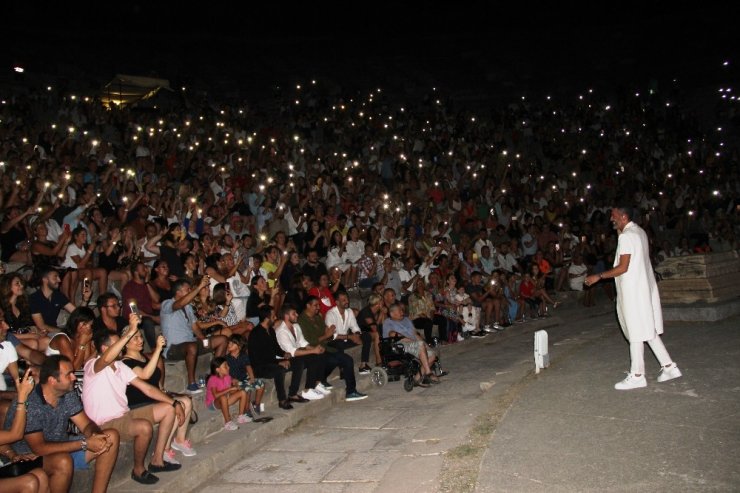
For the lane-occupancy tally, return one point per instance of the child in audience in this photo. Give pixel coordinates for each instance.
(222, 391)
(241, 370)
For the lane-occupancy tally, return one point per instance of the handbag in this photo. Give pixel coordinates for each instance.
(15, 469)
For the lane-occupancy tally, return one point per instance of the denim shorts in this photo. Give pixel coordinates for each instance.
(78, 459)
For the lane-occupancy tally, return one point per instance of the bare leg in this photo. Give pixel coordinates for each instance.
(104, 463)
(141, 430)
(180, 431)
(164, 414)
(59, 468)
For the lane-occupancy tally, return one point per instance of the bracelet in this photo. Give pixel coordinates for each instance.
(24, 403)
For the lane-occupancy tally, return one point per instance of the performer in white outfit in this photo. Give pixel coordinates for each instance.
(638, 300)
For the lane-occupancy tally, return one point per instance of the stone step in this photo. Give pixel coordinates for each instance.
(209, 422)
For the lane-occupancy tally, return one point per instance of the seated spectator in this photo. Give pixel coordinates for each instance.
(369, 320)
(348, 333)
(318, 334)
(269, 360)
(226, 313)
(178, 327)
(9, 362)
(488, 299)
(104, 398)
(238, 283)
(222, 391)
(302, 355)
(539, 279)
(313, 267)
(240, 369)
(32, 479)
(140, 292)
(47, 301)
(75, 341)
(259, 296)
(506, 260)
(391, 278)
(110, 319)
(161, 281)
(50, 408)
(527, 293)
(79, 257)
(14, 302)
(367, 268)
(297, 293)
(399, 326)
(421, 309)
(323, 292)
(150, 368)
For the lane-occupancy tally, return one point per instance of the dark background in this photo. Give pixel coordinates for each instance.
(469, 50)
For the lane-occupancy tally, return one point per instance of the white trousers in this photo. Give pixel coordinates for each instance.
(637, 355)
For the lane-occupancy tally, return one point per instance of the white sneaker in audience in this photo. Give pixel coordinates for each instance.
(322, 389)
(312, 395)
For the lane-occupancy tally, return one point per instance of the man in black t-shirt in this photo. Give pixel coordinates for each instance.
(313, 267)
(47, 301)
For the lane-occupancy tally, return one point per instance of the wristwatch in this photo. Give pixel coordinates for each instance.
(83, 444)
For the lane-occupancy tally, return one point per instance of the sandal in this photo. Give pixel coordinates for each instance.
(431, 378)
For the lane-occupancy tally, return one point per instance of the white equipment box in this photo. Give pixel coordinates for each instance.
(541, 353)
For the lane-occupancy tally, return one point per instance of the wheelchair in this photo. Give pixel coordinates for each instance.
(398, 364)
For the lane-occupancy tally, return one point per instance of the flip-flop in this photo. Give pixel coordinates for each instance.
(421, 383)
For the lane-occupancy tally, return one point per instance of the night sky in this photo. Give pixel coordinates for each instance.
(504, 48)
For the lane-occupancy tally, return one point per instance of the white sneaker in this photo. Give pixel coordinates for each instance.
(669, 373)
(320, 388)
(231, 426)
(631, 382)
(460, 338)
(312, 395)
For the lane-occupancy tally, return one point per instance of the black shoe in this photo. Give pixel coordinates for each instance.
(364, 370)
(145, 478)
(285, 405)
(167, 467)
(443, 373)
(297, 398)
(421, 383)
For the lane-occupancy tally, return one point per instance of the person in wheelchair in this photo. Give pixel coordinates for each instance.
(399, 326)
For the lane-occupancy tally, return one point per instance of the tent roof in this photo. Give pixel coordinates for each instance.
(127, 89)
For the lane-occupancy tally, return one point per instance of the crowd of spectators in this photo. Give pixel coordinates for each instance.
(213, 221)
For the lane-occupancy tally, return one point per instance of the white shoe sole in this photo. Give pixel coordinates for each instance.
(641, 385)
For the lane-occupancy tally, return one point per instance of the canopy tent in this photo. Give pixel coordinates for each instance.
(128, 89)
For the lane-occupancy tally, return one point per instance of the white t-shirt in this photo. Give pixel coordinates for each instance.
(8, 355)
(73, 250)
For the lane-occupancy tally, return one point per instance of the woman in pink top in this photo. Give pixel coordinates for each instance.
(222, 392)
